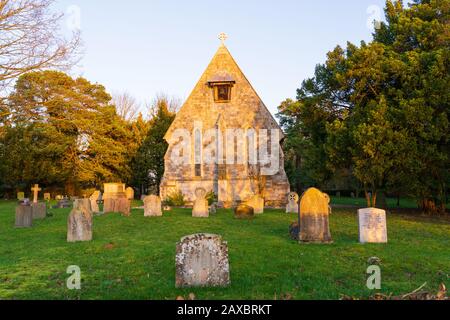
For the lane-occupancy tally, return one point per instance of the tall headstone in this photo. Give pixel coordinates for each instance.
(372, 226)
(24, 216)
(130, 193)
(20, 196)
(257, 203)
(201, 208)
(79, 223)
(35, 191)
(314, 217)
(202, 261)
(94, 198)
(152, 206)
(292, 206)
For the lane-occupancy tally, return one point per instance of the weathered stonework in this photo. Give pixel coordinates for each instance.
(152, 206)
(232, 183)
(79, 222)
(202, 261)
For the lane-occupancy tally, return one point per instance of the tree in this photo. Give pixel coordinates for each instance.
(67, 131)
(384, 106)
(29, 39)
(148, 164)
(126, 106)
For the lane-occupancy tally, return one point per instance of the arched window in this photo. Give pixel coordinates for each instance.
(198, 153)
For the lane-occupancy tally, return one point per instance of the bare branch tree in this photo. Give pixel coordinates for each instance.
(30, 39)
(126, 106)
(173, 104)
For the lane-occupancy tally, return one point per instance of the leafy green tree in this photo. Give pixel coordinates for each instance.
(67, 131)
(148, 164)
(384, 106)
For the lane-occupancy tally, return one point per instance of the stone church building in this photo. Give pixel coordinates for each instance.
(222, 101)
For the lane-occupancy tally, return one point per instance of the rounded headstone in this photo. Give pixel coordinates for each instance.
(244, 212)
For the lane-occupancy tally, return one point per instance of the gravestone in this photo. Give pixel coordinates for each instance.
(39, 210)
(63, 204)
(115, 199)
(20, 196)
(202, 261)
(85, 203)
(372, 226)
(244, 212)
(314, 217)
(79, 223)
(201, 208)
(213, 208)
(257, 203)
(152, 206)
(94, 198)
(121, 205)
(130, 193)
(35, 191)
(47, 196)
(292, 206)
(294, 231)
(59, 197)
(24, 216)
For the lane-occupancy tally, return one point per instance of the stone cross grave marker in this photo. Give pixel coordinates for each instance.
(202, 261)
(35, 191)
(292, 206)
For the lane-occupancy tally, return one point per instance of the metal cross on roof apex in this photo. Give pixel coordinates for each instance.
(223, 37)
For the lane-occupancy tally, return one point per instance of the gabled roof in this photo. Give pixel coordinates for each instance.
(245, 109)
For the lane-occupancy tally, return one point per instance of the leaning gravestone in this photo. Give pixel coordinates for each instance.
(202, 261)
(314, 217)
(257, 203)
(152, 206)
(85, 203)
(94, 198)
(201, 208)
(244, 212)
(292, 206)
(20, 195)
(372, 226)
(24, 216)
(79, 223)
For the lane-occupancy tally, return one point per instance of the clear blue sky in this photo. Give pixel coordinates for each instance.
(146, 47)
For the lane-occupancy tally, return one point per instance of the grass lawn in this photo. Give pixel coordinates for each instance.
(134, 258)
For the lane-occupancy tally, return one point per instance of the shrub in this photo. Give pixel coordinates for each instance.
(211, 197)
(175, 199)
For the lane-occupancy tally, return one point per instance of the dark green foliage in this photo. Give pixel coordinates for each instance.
(380, 110)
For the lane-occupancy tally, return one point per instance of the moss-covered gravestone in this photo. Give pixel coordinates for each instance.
(202, 261)
(314, 217)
